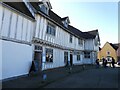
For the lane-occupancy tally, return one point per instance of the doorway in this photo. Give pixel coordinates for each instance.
(38, 57)
(38, 60)
(71, 59)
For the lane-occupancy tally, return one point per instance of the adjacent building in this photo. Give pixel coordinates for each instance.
(31, 31)
(110, 50)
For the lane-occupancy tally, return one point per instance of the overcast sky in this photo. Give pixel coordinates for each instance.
(88, 16)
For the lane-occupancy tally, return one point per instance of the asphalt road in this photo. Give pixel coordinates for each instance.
(93, 78)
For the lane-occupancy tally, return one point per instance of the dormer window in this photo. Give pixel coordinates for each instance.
(65, 21)
(43, 8)
(65, 24)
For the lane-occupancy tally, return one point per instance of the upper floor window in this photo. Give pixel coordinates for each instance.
(51, 29)
(43, 8)
(96, 42)
(86, 54)
(108, 53)
(78, 56)
(65, 24)
(71, 38)
(80, 41)
(66, 21)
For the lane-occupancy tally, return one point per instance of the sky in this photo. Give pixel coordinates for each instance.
(87, 16)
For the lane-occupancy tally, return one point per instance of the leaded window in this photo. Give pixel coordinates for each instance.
(71, 38)
(44, 9)
(65, 57)
(80, 41)
(49, 55)
(78, 56)
(86, 54)
(51, 29)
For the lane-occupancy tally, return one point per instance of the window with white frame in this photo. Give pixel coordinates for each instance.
(71, 38)
(65, 57)
(86, 54)
(78, 56)
(80, 41)
(108, 53)
(51, 29)
(49, 55)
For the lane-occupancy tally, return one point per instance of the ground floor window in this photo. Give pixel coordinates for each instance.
(37, 47)
(78, 56)
(86, 54)
(49, 55)
(65, 57)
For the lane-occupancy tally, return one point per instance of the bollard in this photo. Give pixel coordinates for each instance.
(83, 67)
(70, 69)
(44, 78)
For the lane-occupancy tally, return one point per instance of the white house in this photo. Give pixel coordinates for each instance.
(66, 43)
(31, 31)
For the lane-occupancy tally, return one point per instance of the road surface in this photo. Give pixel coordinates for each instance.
(94, 78)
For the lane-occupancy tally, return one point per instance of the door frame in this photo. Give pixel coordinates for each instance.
(71, 59)
(40, 51)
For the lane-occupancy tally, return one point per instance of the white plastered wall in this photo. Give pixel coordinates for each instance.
(16, 59)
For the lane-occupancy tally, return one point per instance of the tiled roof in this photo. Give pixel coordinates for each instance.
(64, 18)
(75, 31)
(21, 7)
(51, 14)
(90, 34)
(87, 35)
(117, 44)
(58, 19)
(114, 46)
(93, 32)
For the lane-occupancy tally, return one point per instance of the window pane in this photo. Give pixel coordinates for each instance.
(70, 38)
(51, 29)
(44, 9)
(49, 55)
(66, 57)
(80, 41)
(78, 56)
(86, 54)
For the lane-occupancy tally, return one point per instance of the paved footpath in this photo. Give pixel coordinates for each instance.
(92, 78)
(53, 75)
